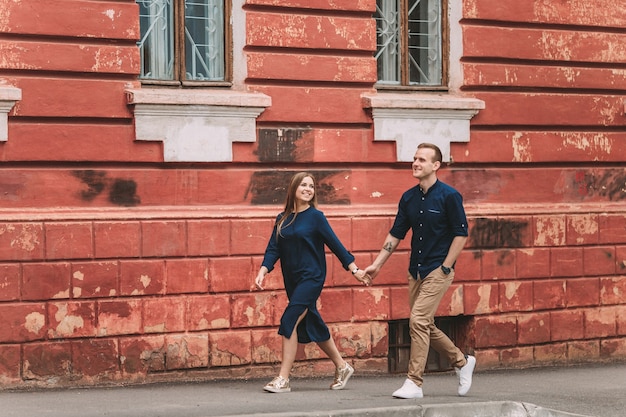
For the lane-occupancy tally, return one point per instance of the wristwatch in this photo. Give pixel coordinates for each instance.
(446, 270)
(355, 271)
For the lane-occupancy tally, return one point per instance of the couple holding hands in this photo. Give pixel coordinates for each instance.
(435, 213)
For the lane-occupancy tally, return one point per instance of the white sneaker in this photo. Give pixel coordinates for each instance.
(465, 375)
(409, 390)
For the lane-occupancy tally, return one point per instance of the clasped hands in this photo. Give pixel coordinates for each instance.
(363, 277)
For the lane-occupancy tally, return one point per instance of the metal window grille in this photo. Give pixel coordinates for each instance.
(400, 344)
(183, 40)
(409, 42)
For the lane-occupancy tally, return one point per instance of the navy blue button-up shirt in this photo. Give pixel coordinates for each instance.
(436, 218)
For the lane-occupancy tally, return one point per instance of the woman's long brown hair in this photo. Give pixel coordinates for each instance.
(291, 205)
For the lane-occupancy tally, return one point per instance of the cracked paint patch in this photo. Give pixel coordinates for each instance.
(521, 148)
(34, 322)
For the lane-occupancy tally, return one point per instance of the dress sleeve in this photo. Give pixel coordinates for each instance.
(332, 241)
(272, 253)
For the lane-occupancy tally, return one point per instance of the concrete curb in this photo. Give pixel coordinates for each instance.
(485, 409)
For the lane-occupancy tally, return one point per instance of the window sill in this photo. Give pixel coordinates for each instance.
(412, 118)
(8, 97)
(196, 125)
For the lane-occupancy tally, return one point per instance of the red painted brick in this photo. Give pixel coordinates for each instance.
(69, 240)
(10, 362)
(369, 233)
(88, 20)
(582, 292)
(10, 276)
(468, 266)
(399, 303)
(379, 339)
(566, 262)
(337, 68)
(517, 356)
(612, 290)
(620, 258)
(583, 350)
(532, 263)
(613, 349)
(495, 331)
(163, 238)
(94, 279)
(533, 329)
(208, 312)
(452, 302)
(186, 351)
(208, 237)
(335, 305)
(95, 358)
(352, 340)
(498, 264)
(601, 322)
(142, 277)
(21, 241)
(22, 322)
(582, 229)
(621, 324)
(395, 271)
(119, 317)
(140, 355)
(186, 275)
(612, 228)
(43, 361)
(516, 296)
(228, 348)
(45, 281)
(554, 353)
(371, 303)
(481, 298)
(549, 230)
(599, 260)
(566, 325)
(71, 319)
(234, 274)
(252, 309)
(488, 358)
(250, 236)
(266, 346)
(117, 239)
(164, 315)
(310, 32)
(273, 280)
(549, 294)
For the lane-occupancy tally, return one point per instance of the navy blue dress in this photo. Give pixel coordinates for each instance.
(300, 248)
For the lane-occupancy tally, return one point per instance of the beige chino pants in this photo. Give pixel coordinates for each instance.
(424, 298)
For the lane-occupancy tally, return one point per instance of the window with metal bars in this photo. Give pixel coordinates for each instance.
(185, 42)
(400, 343)
(411, 43)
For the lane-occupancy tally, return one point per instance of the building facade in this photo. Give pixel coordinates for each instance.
(146, 146)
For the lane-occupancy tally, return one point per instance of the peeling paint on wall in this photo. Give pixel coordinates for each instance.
(271, 187)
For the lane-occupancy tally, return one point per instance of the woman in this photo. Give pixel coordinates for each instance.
(298, 240)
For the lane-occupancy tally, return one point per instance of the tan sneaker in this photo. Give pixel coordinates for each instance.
(278, 384)
(342, 376)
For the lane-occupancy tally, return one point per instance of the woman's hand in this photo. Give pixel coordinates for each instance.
(258, 281)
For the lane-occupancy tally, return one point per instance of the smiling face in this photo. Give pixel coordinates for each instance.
(425, 165)
(305, 192)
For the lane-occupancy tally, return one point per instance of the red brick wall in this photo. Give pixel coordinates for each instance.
(116, 267)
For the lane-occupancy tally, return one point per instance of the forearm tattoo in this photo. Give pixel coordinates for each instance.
(388, 246)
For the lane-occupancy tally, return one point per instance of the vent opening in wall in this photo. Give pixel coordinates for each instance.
(400, 343)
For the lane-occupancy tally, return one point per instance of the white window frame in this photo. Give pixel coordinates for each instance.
(9, 95)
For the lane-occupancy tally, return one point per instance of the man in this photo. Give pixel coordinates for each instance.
(435, 212)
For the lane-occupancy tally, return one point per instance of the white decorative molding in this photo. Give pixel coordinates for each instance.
(196, 125)
(412, 118)
(8, 97)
